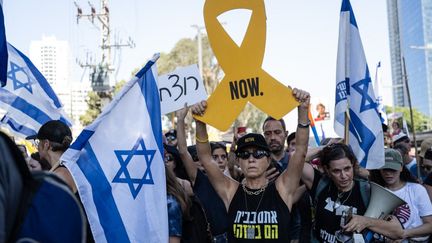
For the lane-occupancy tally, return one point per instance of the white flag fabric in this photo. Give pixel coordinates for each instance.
(355, 95)
(27, 98)
(117, 165)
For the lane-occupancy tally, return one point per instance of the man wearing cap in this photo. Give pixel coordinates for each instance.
(52, 140)
(258, 210)
(171, 137)
(402, 139)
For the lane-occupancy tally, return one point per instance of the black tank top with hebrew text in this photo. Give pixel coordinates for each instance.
(258, 218)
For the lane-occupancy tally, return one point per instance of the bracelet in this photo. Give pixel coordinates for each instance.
(201, 141)
(304, 125)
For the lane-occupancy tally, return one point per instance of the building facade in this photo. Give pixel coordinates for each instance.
(410, 33)
(51, 57)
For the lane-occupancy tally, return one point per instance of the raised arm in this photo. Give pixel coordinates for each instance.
(288, 181)
(191, 168)
(223, 185)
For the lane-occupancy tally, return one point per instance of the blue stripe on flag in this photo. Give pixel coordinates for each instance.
(109, 216)
(346, 6)
(3, 50)
(17, 127)
(82, 139)
(363, 134)
(24, 106)
(40, 78)
(150, 92)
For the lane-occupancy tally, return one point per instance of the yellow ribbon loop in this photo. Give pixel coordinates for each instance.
(245, 80)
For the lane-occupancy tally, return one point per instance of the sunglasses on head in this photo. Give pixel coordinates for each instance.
(257, 154)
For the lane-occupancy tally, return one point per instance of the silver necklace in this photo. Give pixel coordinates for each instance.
(250, 231)
(338, 203)
(255, 193)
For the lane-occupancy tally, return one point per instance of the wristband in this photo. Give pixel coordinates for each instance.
(201, 140)
(304, 125)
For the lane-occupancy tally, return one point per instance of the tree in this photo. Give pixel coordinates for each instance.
(94, 108)
(421, 121)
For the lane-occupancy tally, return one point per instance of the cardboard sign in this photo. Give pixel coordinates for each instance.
(180, 86)
(245, 80)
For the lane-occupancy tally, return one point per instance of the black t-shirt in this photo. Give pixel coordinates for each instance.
(258, 218)
(329, 213)
(213, 205)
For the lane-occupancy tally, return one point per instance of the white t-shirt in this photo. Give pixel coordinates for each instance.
(418, 205)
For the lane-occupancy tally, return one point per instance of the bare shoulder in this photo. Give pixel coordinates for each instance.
(64, 174)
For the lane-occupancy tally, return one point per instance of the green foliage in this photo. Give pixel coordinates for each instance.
(251, 117)
(420, 120)
(94, 108)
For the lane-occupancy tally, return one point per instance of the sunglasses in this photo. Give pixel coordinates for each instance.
(171, 138)
(257, 154)
(168, 158)
(427, 167)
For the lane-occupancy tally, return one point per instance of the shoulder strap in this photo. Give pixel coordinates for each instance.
(364, 191)
(323, 183)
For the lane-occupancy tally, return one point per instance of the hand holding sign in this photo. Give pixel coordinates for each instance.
(245, 80)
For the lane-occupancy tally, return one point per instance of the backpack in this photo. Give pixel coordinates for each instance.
(47, 210)
(365, 192)
(364, 189)
(196, 228)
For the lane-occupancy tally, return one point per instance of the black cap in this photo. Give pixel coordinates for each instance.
(252, 139)
(171, 132)
(54, 131)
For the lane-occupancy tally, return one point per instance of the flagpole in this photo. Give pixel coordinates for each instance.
(346, 133)
(405, 77)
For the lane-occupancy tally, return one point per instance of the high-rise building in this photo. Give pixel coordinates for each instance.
(51, 57)
(410, 32)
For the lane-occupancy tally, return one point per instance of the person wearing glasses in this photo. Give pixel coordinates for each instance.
(171, 137)
(258, 210)
(52, 140)
(340, 199)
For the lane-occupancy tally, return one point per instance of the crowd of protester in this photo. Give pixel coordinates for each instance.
(271, 187)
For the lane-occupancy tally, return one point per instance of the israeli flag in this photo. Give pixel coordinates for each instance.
(117, 165)
(27, 99)
(355, 96)
(3, 49)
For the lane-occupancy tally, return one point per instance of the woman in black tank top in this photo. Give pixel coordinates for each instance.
(257, 210)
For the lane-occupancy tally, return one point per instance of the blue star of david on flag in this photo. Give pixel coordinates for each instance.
(124, 157)
(355, 97)
(12, 74)
(362, 86)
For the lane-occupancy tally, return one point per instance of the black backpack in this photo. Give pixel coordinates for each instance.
(47, 210)
(196, 229)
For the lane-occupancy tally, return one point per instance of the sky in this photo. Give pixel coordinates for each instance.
(301, 41)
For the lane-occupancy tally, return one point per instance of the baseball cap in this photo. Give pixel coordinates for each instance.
(252, 139)
(425, 146)
(393, 160)
(398, 138)
(54, 131)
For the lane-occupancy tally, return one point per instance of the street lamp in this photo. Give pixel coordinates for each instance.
(199, 28)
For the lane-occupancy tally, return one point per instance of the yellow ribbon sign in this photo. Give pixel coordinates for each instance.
(244, 79)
